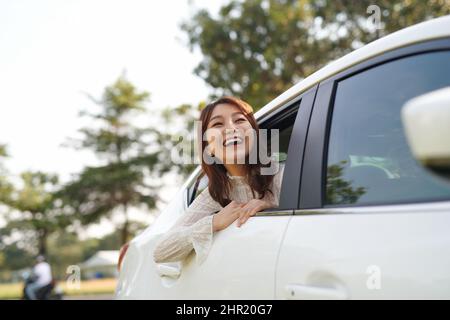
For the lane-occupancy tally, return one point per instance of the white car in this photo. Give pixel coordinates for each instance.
(360, 217)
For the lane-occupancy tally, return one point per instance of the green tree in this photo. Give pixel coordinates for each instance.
(339, 190)
(37, 208)
(3, 152)
(256, 49)
(5, 186)
(15, 257)
(132, 158)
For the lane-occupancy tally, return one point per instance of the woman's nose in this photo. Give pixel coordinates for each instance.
(230, 126)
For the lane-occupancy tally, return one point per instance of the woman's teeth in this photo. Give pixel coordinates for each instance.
(232, 141)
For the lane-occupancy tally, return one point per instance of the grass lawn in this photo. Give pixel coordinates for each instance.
(87, 287)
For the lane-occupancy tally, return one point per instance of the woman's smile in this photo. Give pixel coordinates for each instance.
(233, 141)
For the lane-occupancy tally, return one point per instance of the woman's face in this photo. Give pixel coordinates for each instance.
(229, 134)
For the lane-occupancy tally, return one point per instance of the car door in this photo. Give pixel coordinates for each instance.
(140, 277)
(241, 263)
(372, 223)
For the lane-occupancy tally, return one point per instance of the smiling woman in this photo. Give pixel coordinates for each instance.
(236, 190)
(222, 122)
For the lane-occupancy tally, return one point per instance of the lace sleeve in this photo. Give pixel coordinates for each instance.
(193, 230)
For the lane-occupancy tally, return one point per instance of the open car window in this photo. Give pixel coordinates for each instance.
(285, 128)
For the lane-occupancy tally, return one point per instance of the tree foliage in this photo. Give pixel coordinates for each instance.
(5, 185)
(131, 155)
(40, 212)
(256, 49)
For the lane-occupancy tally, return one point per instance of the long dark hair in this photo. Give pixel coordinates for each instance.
(219, 183)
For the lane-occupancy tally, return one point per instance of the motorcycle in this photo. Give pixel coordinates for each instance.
(49, 292)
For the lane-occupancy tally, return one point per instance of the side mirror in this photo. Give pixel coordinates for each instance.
(426, 121)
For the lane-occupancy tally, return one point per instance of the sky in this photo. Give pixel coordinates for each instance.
(53, 52)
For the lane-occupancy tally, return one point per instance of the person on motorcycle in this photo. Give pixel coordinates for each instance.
(43, 274)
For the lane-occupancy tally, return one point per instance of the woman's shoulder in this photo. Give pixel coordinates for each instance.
(278, 175)
(276, 169)
(280, 172)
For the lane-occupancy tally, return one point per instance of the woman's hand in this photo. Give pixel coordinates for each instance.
(227, 215)
(251, 208)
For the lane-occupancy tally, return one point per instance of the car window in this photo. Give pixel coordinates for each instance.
(369, 161)
(200, 184)
(285, 128)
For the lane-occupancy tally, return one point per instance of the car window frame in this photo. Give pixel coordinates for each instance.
(312, 183)
(290, 187)
(301, 107)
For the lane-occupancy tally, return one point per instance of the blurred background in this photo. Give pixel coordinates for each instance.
(93, 95)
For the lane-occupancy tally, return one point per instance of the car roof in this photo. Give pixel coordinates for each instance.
(431, 29)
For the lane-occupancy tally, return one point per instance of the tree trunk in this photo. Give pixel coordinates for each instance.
(42, 234)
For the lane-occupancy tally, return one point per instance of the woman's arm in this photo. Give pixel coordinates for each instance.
(269, 201)
(193, 230)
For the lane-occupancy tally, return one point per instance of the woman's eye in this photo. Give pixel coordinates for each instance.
(216, 124)
(240, 120)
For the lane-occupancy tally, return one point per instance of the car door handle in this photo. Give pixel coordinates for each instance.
(302, 292)
(170, 271)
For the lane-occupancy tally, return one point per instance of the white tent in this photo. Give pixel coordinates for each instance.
(104, 261)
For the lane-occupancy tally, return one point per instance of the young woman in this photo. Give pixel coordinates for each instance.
(237, 188)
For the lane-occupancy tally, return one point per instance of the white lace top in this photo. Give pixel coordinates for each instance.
(194, 228)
